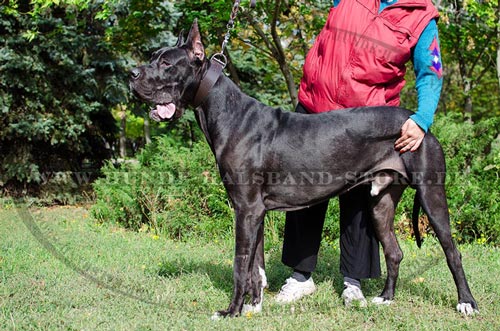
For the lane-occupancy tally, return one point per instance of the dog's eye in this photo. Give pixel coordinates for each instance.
(165, 64)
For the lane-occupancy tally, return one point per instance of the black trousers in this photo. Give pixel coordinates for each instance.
(359, 247)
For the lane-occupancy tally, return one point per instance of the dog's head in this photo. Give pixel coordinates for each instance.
(171, 79)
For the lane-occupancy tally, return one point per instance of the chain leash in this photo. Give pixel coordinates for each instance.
(230, 26)
(218, 61)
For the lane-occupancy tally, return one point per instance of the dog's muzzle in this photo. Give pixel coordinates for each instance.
(135, 73)
(161, 112)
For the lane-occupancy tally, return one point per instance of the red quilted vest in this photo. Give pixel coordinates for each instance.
(359, 57)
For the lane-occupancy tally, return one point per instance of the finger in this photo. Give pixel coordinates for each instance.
(404, 143)
(417, 145)
(407, 148)
(402, 139)
(404, 132)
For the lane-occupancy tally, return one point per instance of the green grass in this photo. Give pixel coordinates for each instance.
(60, 271)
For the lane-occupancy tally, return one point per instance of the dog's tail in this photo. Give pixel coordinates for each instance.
(414, 220)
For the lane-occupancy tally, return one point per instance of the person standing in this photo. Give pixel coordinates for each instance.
(359, 59)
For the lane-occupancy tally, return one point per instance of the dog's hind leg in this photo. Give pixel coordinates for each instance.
(433, 201)
(383, 207)
(248, 224)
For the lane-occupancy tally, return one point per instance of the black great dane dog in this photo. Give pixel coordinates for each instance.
(270, 159)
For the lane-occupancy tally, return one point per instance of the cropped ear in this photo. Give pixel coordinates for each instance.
(180, 39)
(193, 43)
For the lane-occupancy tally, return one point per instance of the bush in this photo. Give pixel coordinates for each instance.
(170, 189)
(58, 79)
(177, 190)
(473, 177)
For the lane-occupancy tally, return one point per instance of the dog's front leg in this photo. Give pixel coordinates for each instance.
(248, 223)
(257, 280)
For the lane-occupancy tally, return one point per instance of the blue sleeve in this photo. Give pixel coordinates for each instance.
(428, 71)
(336, 3)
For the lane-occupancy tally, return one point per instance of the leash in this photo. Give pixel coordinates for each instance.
(218, 61)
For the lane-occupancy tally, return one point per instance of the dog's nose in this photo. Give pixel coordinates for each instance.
(135, 73)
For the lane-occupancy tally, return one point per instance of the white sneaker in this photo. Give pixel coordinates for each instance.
(294, 290)
(353, 296)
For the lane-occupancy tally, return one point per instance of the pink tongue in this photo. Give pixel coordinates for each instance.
(166, 111)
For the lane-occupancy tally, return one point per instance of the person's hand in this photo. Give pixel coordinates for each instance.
(411, 137)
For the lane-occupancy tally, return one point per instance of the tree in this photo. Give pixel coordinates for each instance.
(469, 37)
(58, 80)
(498, 42)
(283, 30)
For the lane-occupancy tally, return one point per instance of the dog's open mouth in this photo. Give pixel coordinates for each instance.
(163, 112)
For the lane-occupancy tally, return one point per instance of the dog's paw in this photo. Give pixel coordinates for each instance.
(216, 316)
(221, 314)
(224, 313)
(253, 309)
(381, 301)
(466, 309)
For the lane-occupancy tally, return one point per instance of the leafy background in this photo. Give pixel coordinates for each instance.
(68, 118)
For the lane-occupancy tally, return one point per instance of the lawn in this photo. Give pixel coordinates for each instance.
(61, 271)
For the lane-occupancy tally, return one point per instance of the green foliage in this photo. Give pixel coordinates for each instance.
(255, 76)
(469, 42)
(57, 80)
(62, 69)
(171, 189)
(473, 177)
(140, 27)
(135, 124)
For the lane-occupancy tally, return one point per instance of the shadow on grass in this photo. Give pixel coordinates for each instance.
(221, 275)
(411, 271)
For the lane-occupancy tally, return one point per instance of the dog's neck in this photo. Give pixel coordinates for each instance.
(213, 70)
(223, 111)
